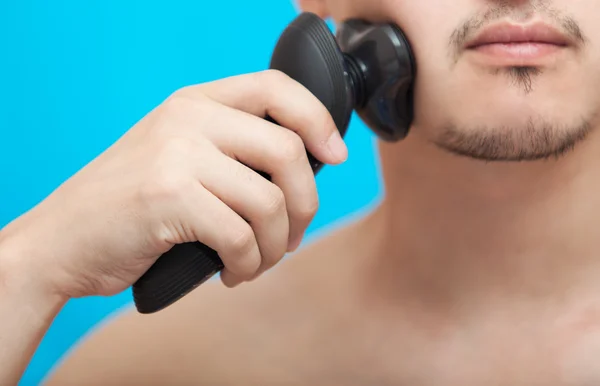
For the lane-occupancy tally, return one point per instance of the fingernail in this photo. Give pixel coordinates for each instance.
(337, 147)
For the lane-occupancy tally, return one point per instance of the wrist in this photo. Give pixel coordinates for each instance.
(27, 309)
(25, 276)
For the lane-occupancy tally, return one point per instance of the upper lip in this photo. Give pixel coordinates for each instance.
(506, 33)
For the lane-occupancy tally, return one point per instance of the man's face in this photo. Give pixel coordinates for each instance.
(497, 80)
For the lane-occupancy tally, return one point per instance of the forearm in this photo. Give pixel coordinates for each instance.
(27, 309)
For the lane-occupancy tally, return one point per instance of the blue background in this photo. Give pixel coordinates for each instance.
(75, 75)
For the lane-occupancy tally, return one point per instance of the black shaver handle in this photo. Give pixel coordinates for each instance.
(174, 275)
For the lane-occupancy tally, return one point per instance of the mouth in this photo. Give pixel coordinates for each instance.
(512, 44)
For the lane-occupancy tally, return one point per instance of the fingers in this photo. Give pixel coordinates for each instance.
(250, 221)
(280, 153)
(261, 203)
(291, 105)
(215, 224)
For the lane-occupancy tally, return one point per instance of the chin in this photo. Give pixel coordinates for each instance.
(519, 98)
(508, 123)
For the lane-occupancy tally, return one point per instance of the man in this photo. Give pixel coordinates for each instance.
(479, 267)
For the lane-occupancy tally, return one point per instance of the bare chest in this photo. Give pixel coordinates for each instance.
(525, 353)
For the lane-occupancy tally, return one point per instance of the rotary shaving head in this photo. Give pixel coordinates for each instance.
(386, 62)
(372, 70)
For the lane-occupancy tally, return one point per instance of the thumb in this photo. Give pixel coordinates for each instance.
(318, 7)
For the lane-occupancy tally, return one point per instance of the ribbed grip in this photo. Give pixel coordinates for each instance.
(174, 275)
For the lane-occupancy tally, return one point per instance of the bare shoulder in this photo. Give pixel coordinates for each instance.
(214, 329)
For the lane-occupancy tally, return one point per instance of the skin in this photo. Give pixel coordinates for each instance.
(105, 226)
(479, 267)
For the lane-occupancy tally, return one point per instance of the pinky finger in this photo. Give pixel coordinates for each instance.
(229, 279)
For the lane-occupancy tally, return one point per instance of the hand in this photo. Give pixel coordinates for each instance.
(185, 173)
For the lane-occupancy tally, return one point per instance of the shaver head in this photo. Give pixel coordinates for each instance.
(385, 59)
(369, 67)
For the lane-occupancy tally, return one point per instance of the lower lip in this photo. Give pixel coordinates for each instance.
(518, 52)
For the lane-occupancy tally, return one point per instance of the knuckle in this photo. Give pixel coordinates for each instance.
(165, 187)
(241, 241)
(177, 104)
(264, 82)
(291, 149)
(164, 184)
(318, 122)
(244, 258)
(168, 176)
(188, 93)
(274, 202)
(177, 148)
(309, 209)
(316, 114)
(185, 102)
(275, 76)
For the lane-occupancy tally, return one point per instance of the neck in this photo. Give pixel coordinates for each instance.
(461, 229)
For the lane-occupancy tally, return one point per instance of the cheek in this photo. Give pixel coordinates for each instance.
(429, 26)
(434, 85)
(426, 21)
(434, 93)
(580, 365)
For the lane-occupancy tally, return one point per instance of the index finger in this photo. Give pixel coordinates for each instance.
(274, 94)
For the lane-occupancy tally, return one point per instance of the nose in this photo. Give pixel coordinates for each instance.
(511, 3)
(519, 9)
